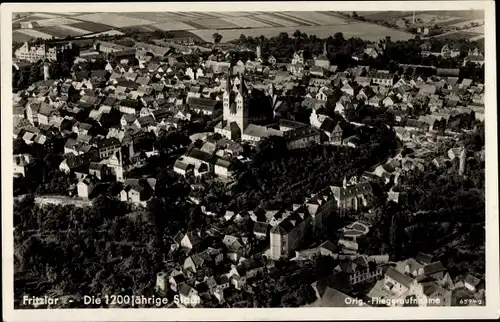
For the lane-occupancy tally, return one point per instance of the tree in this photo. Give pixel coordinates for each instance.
(339, 37)
(217, 37)
(297, 34)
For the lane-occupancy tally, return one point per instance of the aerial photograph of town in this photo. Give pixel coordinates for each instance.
(234, 159)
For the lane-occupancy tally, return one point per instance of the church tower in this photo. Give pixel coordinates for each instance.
(119, 169)
(226, 98)
(242, 105)
(325, 53)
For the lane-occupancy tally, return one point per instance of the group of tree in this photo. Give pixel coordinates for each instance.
(439, 212)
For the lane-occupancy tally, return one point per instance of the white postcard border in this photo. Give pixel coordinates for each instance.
(491, 310)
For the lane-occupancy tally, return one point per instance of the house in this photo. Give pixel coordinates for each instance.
(22, 163)
(352, 194)
(454, 153)
(298, 58)
(85, 186)
(383, 78)
(317, 71)
(323, 94)
(81, 128)
(474, 59)
(204, 106)
(98, 170)
(107, 147)
(188, 296)
(328, 297)
(271, 60)
(347, 89)
(333, 131)
(176, 279)
(449, 51)
(288, 235)
(222, 168)
(136, 191)
(44, 113)
(190, 240)
(371, 52)
(397, 282)
(260, 230)
(360, 270)
(473, 284)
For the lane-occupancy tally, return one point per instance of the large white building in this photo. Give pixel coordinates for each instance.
(35, 53)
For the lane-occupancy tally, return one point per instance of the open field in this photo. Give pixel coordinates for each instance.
(386, 15)
(203, 24)
(460, 35)
(361, 30)
(467, 23)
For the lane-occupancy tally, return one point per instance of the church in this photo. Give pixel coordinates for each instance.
(235, 102)
(240, 124)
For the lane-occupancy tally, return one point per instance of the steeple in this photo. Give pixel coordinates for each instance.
(324, 49)
(228, 81)
(344, 182)
(243, 88)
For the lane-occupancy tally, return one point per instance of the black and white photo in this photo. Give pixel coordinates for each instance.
(228, 158)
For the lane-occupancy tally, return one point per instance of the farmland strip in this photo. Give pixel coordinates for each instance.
(21, 37)
(91, 26)
(58, 32)
(75, 30)
(196, 25)
(34, 33)
(293, 14)
(269, 22)
(300, 22)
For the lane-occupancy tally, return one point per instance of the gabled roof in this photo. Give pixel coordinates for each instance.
(433, 268)
(399, 277)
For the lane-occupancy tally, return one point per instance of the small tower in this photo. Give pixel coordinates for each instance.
(46, 71)
(463, 158)
(344, 182)
(119, 169)
(161, 282)
(131, 151)
(259, 52)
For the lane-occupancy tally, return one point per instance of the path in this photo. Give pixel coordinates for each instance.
(62, 200)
